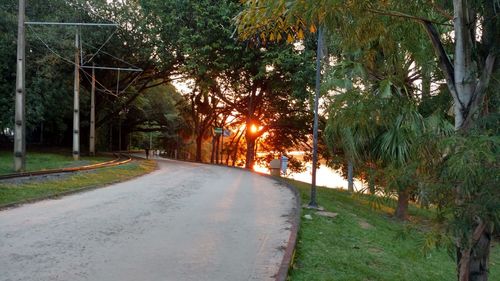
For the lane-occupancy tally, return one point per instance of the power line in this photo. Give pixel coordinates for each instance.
(105, 42)
(104, 88)
(113, 68)
(49, 48)
(69, 23)
(117, 58)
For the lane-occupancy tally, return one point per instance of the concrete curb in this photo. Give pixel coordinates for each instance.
(294, 219)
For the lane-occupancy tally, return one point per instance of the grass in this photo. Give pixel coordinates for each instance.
(36, 161)
(33, 190)
(367, 244)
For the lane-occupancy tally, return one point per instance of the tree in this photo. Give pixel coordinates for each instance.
(259, 85)
(468, 77)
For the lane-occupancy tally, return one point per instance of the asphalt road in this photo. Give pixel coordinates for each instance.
(182, 222)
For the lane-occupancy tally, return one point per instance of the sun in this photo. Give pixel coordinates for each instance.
(253, 129)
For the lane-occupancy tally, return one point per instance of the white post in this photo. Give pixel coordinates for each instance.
(76, 102)
(20, 124)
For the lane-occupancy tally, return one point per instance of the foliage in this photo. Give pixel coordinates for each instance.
(471, 172)
(360, 30)
(264, 87)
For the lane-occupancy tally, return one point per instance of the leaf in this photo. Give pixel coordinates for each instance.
(385, 89)
(312, 28)
(300, 34)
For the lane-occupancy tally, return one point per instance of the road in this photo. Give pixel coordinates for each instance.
(184, 221)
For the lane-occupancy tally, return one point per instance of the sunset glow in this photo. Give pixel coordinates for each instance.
(254, 129)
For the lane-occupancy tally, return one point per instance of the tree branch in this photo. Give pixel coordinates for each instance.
(444, 60)
(440, 10)
(480, 90)
(403, 15)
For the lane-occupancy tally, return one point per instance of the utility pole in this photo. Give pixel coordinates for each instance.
(76, 101)
(221, 144)
(319, 56)
(120, 132)
(92, 116)
(20, 122)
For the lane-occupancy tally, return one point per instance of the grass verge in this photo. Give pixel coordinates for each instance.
(13, 192)
(36, 161)
(367, 244)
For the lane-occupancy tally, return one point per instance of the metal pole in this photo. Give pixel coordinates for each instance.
(130, 141)
(120, 134)
(92, 116)
(76, 102)
(319, 56)
(20, 124)
(221, 145)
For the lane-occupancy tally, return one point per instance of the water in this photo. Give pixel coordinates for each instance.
(325, 176)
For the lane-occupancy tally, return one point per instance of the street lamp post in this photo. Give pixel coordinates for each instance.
(319, 55)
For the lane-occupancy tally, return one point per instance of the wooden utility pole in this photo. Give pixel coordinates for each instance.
(92, 116)
(20, 120)
(76, 101)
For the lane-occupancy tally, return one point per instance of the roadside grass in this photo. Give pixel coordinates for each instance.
(36, 161)
(367, 244)
(32, 190)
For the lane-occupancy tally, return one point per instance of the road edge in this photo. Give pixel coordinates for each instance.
(294, 219)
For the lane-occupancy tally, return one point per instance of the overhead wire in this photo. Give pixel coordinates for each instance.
(105, 89)
(49, 48)
(117, 58)
(102, 46)
(67, 60)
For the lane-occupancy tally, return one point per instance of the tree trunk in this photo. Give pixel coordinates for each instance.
(249, 160)
(199, 141)
(371, 181)
(402, 208)
(472, 263)
(236, 146)
(350, 180)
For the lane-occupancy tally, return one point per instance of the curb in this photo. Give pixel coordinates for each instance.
(294, 219)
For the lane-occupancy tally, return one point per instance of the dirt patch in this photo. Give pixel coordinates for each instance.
(375, 250)
(364, 225)
(327, 214)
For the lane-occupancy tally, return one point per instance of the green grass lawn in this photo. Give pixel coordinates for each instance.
(33, 190)
(367, 244)
(36, 161)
